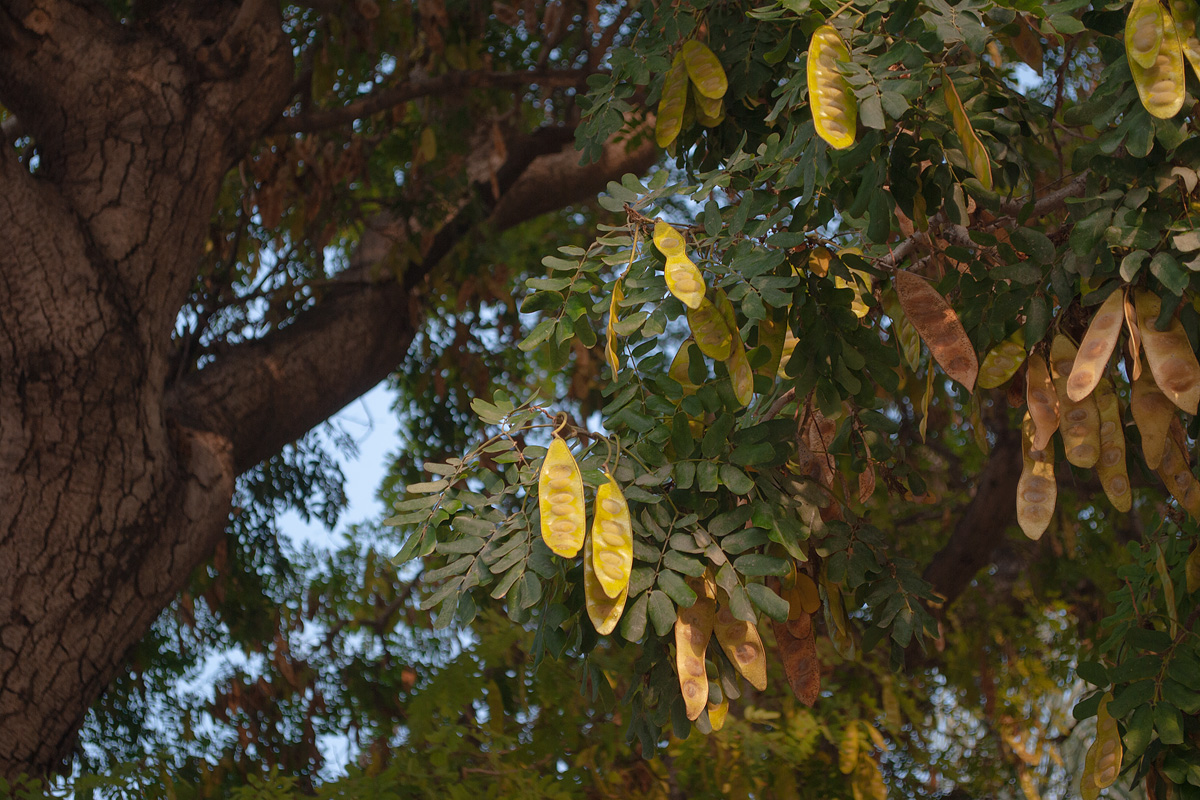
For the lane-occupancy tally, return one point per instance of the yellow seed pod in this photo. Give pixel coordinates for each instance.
(612, 539)
(818, 261)
(693, 629)
(868, 777)
(1108, 746)
(973, 149)
(678, 371)
(848, 749)
(672, 103)
(1088, 790)
(939, 326)
(1037, 491)
(618, 294)
(835, 109)
(1161, 85)
(603, 611)
(1144, 32)
(560, 500)
(807, 594)
(1152, 412)
(741, 642)
(740, 373)
(712, 335)
(789, 346)
(1169, 354)
(668, 240)
(1176, 473)
(1079, 423)
(1041, 399)
(709, 112)
(1003, 361)
(1096, 348)
(1185, 12)
(1111, 469)
(772, 333)
(906, 336)
(717, 712)
(684, 280)
(705, 70)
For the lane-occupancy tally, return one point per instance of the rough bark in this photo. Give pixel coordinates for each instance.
(115, 484)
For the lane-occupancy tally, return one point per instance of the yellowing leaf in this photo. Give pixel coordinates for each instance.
(973, 149)
(939, 326)
(560, 500)
(835, 109)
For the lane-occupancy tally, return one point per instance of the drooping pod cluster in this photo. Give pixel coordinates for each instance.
(695, 65)
(1075, 396)
(1102, 763)
(1155, 42)
(714, 327)
(683, 278)
(834, 107)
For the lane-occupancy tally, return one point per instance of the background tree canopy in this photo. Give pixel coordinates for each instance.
(913, 428)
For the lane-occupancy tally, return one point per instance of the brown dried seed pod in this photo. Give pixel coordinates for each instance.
(1135, 337)
(1096, 348)
(1079, 422)
(1037, 491)
(1111, 469)
(799, 656)
(741, 642)
(1152, 412)
(693, 629)
(939, 326)
(1169, 354)
(1176, 473)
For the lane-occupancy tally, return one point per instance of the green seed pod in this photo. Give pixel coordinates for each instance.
(560, 500)
(835, 109)
(712, 335)
(1144, 32)
(672, 103)
(1096, 348)
(1003, 361)
(1161, 85)
(705, 70)
(709, 112)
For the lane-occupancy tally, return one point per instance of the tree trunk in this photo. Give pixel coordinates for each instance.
(115, 483)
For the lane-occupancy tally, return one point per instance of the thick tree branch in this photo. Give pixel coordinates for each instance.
(450, 83)
(264, 394)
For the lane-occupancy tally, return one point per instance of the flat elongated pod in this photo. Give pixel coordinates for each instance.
(1111, 468)
(693, 629)
(741, 642)
(740, 373)
(1003, 361)
(705, 70)
(1144, 32)
(1108, 746)
(1135, 337)
(671, 104)
(1152, 412)
(834, 107)
(668, 240)
(614, 303)
(560, 500)
(1176, 473)
(1041, 399)
(1037, 491)
(973, 149)
(603, 611)
(1096, 348)
(612, 539)
(1088, 790)
(848, 749)
(1185, 13)
(709, 112)
(1079, 423)
(1161, 85)
(1169, 354)
(684, 280)
(678, 371)
(712, 335)
(717, 712)
(939, 326)
(797, 645)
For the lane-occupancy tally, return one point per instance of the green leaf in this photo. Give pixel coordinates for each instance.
(662, 612)
(539, 334)
(770, 603)
(735, 480)
(1168, 721)
(676, 589)
(757, 565)
(633, 621)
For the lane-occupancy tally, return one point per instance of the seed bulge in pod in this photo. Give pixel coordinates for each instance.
(1160, 85)
(1003, 361)
(1108, 746)
(705, 70)
(1185, 12)
(1078, 422)
(671, 104)
(712, 335)
(741, 642)
(1037, 491)
(612, 539)
(1176, 473)
(834, 107)
(939, 326)
(693, 629)
(1144, 32)
(1169, 354)
(1096, 348)
(1152, 412)
(1111, 469)
(602, 610)
(1042, 400)
(560, 500)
